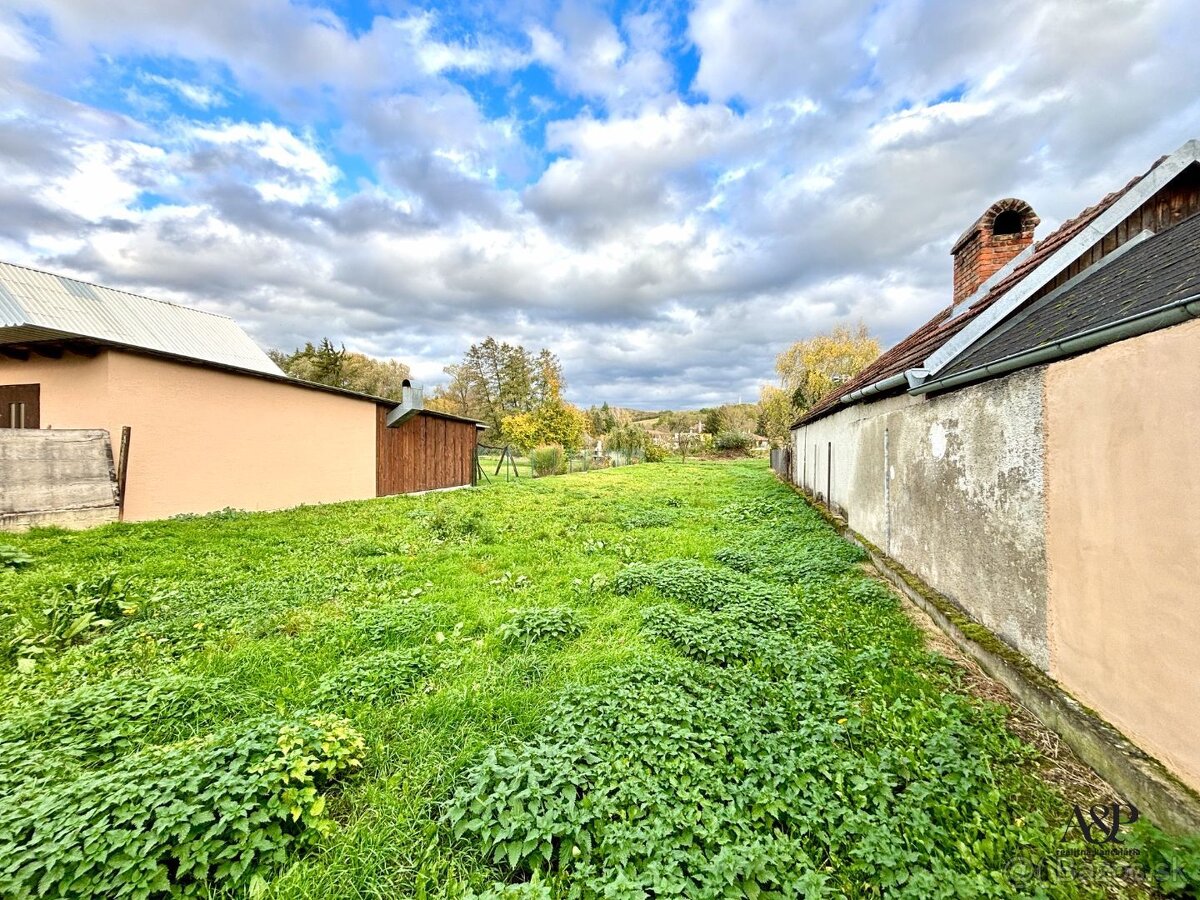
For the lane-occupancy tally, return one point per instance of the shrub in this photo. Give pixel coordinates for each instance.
(549, 460)
(551, 623)
(733, 440)
(655, 453)
(175, 819)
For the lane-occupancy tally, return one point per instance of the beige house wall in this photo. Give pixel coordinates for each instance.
(1123, 537)
(205, 439)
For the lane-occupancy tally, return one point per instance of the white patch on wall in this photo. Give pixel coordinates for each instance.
(937, 440)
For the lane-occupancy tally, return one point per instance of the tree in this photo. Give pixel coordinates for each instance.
(601, 419)
(741, 417)
(776, 413)
(713, 420)
(550, 424)
(517, 393)
(498, 380)
(457, 397)
(812, 368)
(626, 439)
(336, 367)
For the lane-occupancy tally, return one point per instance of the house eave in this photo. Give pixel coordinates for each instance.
(1150, 184)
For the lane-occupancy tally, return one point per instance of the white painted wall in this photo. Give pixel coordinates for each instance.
(952, 488)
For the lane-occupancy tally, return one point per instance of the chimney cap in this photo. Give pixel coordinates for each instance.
(1028, 220)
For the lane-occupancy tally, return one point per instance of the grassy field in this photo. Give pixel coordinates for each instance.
(659, 680)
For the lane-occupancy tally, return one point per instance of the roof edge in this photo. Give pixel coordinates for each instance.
(1141, 323)
(1090, 235)
(106, 287)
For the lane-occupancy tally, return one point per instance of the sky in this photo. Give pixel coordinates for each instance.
(665, 194)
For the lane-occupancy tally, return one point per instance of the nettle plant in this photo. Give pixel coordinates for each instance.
(378, 678)
(541, 624)
(75, 613)
(651, 518)
(178, 818)
(797, 744)
(13, 558)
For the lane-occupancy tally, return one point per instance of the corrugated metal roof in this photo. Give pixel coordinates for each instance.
(40, 303)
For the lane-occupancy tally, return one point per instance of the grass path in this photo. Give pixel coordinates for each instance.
(660, 680)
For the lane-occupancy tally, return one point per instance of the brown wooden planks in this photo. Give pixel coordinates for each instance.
(424, 453)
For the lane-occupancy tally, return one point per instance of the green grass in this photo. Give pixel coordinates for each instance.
(658, 679)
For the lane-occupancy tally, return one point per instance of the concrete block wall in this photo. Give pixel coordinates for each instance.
(56, 477)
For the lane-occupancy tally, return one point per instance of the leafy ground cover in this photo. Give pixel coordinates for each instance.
(659, 680)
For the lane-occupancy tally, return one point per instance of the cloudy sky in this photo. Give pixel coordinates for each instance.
(666, 194)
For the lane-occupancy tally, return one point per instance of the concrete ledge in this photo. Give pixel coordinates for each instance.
(1139, 777)
(74, 519)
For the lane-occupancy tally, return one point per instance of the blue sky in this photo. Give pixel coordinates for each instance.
(665, 194)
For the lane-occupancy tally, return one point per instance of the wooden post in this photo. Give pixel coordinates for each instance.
(123, 472)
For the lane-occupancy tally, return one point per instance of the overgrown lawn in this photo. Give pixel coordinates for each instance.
(660, 680)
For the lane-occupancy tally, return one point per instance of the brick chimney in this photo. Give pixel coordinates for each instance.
(1003, 231)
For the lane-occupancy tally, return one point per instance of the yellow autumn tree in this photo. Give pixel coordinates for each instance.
(812, 368)
(775, 414)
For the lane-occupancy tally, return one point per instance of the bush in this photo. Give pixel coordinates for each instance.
(178, 818)
(549, 460)
(655, 453)
(733, 440)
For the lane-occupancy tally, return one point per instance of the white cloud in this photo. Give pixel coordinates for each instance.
(590, 56)
(198, 95)
(666, 247)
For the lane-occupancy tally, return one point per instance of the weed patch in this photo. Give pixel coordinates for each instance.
(379, 678)
(529, 626)
(177, 818)
(669, 680)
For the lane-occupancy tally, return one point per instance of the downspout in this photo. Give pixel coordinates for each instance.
(1131, 326)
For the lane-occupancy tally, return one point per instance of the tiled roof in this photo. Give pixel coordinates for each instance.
(1155, 273)
(37, 305)
(917, 347)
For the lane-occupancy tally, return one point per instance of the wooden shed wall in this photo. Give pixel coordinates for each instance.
(423, 454)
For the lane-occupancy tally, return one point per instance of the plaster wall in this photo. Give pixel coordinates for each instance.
(1123, 537)
(204, 439)
(952, 488)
